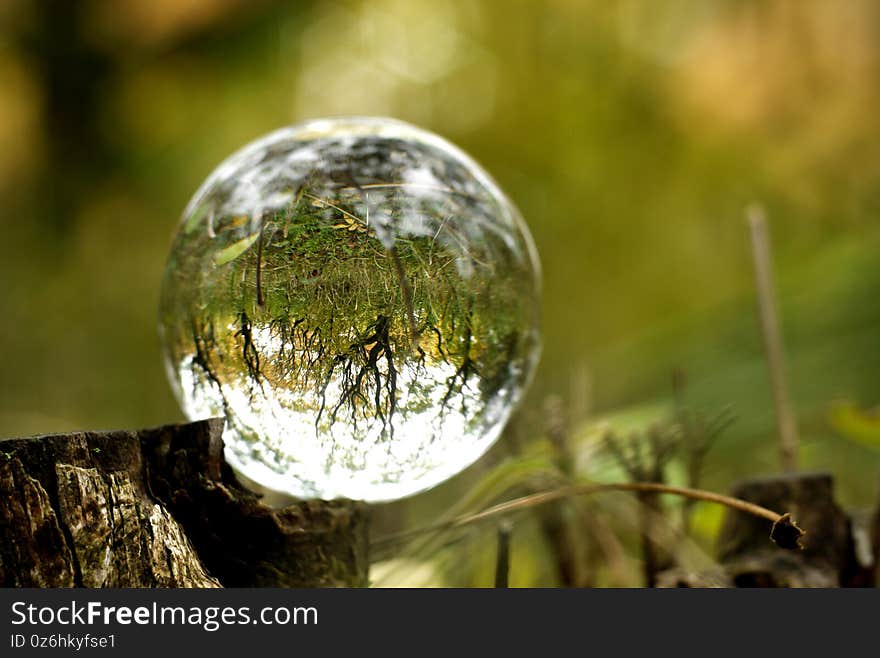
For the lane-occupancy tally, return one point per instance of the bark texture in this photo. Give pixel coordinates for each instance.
(160, 508)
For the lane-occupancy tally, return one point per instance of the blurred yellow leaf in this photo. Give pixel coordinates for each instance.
(706, 521)
(405, 572)
(854, 423)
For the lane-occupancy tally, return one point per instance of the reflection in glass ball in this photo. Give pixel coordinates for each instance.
(359, 300)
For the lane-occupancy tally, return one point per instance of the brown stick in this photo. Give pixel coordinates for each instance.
(783, 521)
(260, 299)
(502, 557)
(785, 419)
(407, 294)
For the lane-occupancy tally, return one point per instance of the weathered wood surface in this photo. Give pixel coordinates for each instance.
(748, 559)
(828, 557)
(160, 508)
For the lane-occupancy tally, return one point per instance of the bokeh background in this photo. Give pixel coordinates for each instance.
(631, 134)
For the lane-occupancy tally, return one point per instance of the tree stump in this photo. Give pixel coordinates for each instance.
(875, 543)
(749, 559)
(828, 557)
(161, 508)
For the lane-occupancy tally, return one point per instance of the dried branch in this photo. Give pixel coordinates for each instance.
(785, 418)
(784, 531)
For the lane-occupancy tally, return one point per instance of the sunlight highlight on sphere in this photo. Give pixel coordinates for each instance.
(359, 300)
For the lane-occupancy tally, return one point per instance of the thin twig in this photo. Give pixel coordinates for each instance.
(785, 419)
(652, 559)
(260, 299)
(502, 561)
(406, 293)
(544, 497)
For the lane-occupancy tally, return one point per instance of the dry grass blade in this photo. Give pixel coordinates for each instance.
(793, 532)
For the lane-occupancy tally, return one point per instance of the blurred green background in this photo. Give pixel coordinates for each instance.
(631, 134)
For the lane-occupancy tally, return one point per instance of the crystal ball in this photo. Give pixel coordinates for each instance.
(360, 302)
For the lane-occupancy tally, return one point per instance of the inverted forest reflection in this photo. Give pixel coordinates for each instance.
(359, 301)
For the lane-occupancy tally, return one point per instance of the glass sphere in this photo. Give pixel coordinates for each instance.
(359, 300)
